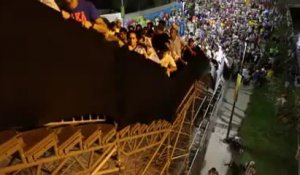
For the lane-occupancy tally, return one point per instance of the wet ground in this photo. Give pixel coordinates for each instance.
(217, 152)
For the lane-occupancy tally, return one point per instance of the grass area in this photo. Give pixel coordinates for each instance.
(270, 143)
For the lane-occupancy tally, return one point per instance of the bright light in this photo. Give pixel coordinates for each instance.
(298, 42)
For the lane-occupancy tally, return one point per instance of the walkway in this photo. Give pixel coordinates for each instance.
(217, 153)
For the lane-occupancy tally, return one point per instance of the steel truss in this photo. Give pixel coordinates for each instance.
(97, 148)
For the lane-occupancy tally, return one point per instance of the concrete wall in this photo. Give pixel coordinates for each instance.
(151, 12)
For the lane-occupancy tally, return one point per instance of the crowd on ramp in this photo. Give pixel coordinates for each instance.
(223, 30)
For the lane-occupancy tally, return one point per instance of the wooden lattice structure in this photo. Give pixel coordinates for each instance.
(98, 148)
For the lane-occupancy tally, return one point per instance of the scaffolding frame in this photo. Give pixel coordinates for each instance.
(95, 148)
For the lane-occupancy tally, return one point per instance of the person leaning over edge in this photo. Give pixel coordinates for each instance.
(84, 12)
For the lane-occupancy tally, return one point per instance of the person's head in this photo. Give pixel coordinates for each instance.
(132, 37)
(161, 25)
(161, 44)
(112, 26)
(130, 28)
(71, 4)
(173, 33)
(123, 34)
(119, 23)
(252, 163)
(150, 33)
(175, 26)
(150, 25)
(213, 169)
(145, 31)
(138, 28)
(159, 29)
(191, 43)
(139, 35)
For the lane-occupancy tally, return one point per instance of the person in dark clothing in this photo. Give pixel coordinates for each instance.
(234, 168)
(213, 171)
(122, 35)
(160, 43)
(138, 28)
(187, 54)
(150, 31)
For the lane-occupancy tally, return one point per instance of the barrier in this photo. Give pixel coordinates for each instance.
(150, 14)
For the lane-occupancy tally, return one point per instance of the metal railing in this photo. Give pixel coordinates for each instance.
(206, 125)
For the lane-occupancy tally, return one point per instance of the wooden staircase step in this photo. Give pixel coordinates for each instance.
(91, 134)
(68, 138)
(10, 143)
(37, 142)
(108, 132)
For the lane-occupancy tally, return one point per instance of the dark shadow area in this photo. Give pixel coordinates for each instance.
(295, 12)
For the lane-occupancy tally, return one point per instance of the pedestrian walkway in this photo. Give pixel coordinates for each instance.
(218, 153)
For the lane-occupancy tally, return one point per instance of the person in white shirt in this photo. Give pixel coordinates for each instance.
(150, 52)
(176, 44)
(245, 73)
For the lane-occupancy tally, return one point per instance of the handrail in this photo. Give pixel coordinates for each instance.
(205, 131)
(76, 122)
(200, 107)
(193, 141)
(199, 148)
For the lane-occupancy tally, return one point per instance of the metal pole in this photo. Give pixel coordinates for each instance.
(230, 121)
(122, 12)
(243, 56)
(235, 96)
(122, 8)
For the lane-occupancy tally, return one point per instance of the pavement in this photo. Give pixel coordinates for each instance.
(217, 153)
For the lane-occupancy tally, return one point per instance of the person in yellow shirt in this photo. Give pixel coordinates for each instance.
(248, 2)
(252, 23)
(270, 74)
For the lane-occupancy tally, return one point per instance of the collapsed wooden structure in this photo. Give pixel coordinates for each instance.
(99, 148)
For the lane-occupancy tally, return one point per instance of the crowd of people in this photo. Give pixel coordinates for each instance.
(238, 28)
(160, 43)
(241, 28)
